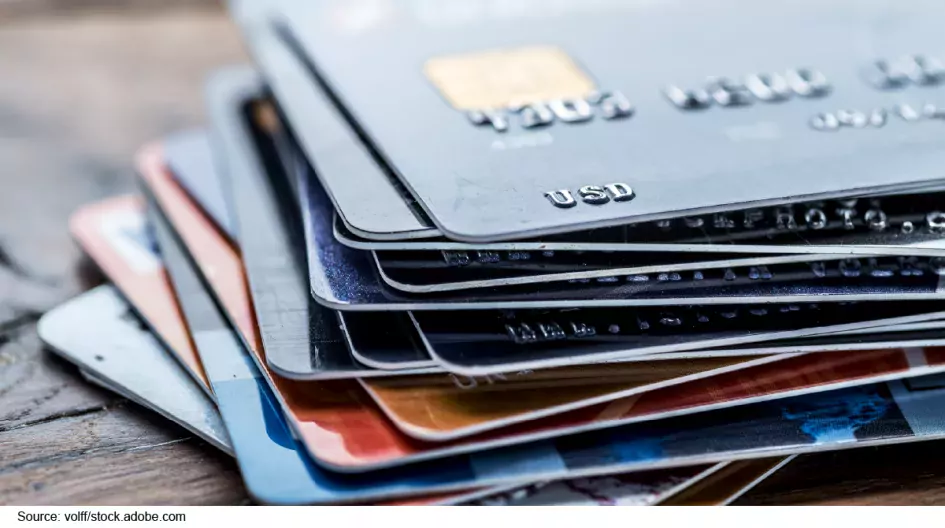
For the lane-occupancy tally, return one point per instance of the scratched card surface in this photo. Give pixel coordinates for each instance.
(115, 235)
(99, 333)
(894, 412)
(548, 105)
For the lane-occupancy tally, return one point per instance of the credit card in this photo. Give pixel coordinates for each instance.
(469, 405)
(879, 414)
(337, 152)
(481, 343)
(726, 485)
(908, 242)
(714, 392)
(115, 235)
(102, 383)
(219, 259)
(385, 340)
(430, 272)
(645, 488)
(99, 333)
(806, 374)
(543, 105)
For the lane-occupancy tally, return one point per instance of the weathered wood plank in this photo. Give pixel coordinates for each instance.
(120, 455)
(36, 387)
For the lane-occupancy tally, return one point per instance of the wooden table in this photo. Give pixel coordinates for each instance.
(78, 95)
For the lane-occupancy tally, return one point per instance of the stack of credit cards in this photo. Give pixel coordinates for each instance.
(520, 252)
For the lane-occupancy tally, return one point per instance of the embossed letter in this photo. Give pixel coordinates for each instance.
(563, 198)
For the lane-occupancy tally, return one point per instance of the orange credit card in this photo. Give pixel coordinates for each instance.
(114, 234)
(439, 408)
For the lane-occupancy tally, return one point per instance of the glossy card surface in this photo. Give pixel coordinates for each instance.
(482, 343)
(806, 374)
(115, 235)
(544, 104)
(441, 271)
(469, 405)
(100, 334)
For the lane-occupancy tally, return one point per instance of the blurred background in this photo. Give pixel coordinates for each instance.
(83, 84)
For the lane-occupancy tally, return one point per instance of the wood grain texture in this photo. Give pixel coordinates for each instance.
(113, 455)
(79, 95)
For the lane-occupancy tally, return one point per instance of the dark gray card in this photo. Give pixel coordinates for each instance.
(508, 124)
(372, 202)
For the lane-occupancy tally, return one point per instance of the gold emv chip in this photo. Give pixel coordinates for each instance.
(501, 78)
